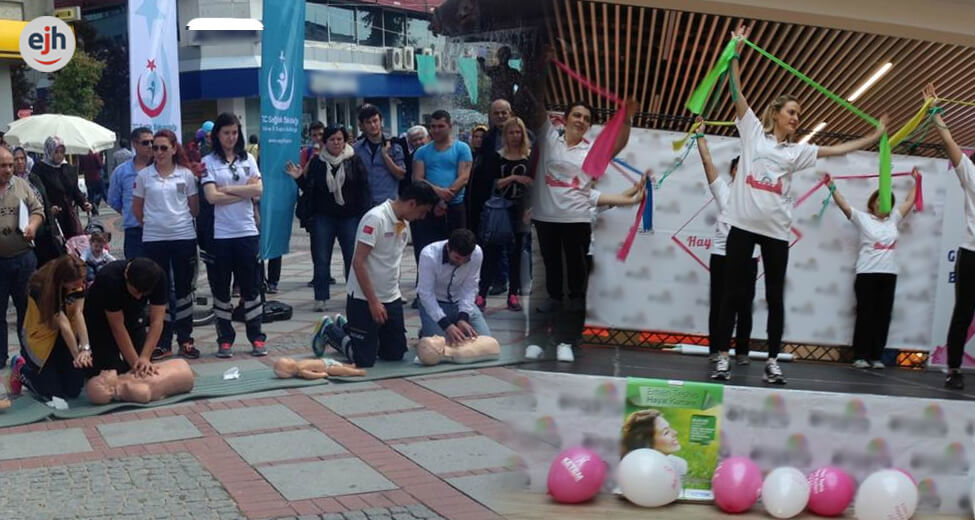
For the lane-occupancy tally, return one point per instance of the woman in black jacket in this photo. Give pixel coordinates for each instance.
(334, 196)
(61, 183)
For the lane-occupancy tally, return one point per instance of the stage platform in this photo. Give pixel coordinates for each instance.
(800, 375)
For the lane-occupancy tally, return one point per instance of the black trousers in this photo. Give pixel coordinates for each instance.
(569, 241)
(961, 316)
(58, 377)
(371, 340)
(875, 301)
(743, 314)
(738, 257)
(274, 270)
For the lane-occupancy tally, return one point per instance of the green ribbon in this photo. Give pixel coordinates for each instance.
(828, 198)
(677, 163)
(700, 96)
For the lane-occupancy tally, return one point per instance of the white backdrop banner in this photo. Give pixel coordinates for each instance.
(663, 285)
(154, 66)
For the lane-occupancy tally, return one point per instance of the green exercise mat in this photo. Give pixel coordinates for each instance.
(407, 368)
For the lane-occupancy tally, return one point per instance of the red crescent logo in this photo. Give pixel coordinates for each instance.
(151, 112)
(52, 62)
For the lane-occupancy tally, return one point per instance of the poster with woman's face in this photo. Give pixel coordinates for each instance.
(682, 421)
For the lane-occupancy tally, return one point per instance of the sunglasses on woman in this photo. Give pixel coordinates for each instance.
(233, 170)
(160, 148)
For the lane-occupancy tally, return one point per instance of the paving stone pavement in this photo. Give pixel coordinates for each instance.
(412, 512)
(158, 486)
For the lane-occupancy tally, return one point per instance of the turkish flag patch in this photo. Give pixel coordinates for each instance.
(368, 230)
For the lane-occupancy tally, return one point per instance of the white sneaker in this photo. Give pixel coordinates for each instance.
(319, 306)
(877, 365)
(861, 364)
(564, 353)
(533, 352)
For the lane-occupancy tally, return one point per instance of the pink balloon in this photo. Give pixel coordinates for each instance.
(576, 475)
(737, 483)
(831, 491)
(908, 473)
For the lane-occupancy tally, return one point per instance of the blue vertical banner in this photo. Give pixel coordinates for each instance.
(282, 83)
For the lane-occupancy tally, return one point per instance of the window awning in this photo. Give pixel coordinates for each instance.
(10, 38)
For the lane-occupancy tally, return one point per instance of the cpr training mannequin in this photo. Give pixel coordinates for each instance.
(286, 368)
(172, 377)
(434, 349)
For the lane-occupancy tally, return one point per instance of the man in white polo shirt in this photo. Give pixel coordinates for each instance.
(449, 271)
(374, 303)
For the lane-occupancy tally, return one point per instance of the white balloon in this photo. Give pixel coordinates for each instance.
(647, 478)
(785, 492)
(887, 494)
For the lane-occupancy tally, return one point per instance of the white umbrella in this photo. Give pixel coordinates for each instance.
(80, 136)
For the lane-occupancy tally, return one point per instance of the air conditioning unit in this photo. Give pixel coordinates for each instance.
(438, 59)
(409, 59)
(394, 60)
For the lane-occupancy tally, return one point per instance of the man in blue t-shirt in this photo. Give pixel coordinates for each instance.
(445, 163)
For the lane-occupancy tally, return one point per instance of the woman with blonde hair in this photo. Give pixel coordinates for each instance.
(760, 210)
(511, 181)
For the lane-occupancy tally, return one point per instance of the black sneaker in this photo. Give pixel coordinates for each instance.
(159, 354)
(498, 288)
(722, 369)
(332, 280)
(773, 374)
(955, 381)
(742, 360)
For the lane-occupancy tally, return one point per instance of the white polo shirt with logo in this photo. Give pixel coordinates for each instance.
(237, 219)
(878, 240)
(166, 209)
(388, 237)
(761, 199)
(563, 190)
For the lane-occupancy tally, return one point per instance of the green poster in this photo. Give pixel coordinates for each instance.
(681, 420)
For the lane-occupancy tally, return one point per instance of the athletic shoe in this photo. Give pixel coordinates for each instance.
(513, 303)
(742, 360)
(225, 350)
(16, 384)
(258, 349)
(563, 353)
(319, 306)
(188, 350)
(332, 281)
(318, 339)
(534, 352)
(341, 322)
(878, 365)
(334, 335)
(272, 288)
(955, 380)
(159, 353)
(479, 301)
(861, 363)
(722, 369)
(773, 374)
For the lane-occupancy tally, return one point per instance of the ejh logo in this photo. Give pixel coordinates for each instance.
(47, 44)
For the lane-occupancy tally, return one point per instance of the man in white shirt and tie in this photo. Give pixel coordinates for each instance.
(448, 274)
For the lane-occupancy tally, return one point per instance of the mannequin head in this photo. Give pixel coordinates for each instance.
(102, 389)
(285, 368)
(431, 350)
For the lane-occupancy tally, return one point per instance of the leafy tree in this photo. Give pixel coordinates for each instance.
(23, 89)
(73, 91)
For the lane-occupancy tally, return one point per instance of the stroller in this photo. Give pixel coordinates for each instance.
(77, 245)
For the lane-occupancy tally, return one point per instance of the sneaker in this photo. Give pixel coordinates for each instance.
(773, 374)
(332, 281)
(272, 288)
(318, 338)
(258, 349)
(955, 380)
(159, 353)
(861, 363)
(564, 353)
(16, 384)
(498, 288)
(742, 360)
(188, 350)
(534, 352)
(224, 350)
(479, 301)
(334, 335)
(877, 365)
(340, 322)
(311, 283)
(722, 369)
(513, 303)
(319, 306)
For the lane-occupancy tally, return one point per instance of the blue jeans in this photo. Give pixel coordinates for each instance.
(324, 229)
(132, 248)
(428, 327)
(14, 274)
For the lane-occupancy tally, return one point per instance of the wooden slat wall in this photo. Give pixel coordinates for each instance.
(658, 56)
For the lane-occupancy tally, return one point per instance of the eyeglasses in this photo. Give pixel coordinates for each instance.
(147, 142)
(160, 148)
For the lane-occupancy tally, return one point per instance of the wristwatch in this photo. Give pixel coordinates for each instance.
(86, 348)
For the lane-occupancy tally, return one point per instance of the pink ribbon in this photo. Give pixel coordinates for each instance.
(588, 84)
(631, 236)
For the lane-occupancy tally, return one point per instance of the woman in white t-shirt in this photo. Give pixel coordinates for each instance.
(961, 316)
(231, 183)
(760, 209)
(165, 202)
(876, 271)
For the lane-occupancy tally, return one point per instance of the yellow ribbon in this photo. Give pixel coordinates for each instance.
(680, 144)
(957, 102)
(912, 124)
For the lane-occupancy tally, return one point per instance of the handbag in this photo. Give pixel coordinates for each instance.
(496, 228)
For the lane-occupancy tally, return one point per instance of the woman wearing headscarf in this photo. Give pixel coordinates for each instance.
(61, 183)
